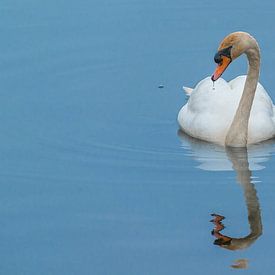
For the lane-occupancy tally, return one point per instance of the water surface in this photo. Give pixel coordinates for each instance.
(95, 178)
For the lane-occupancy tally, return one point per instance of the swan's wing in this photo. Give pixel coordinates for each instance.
(262, 102)
(262, 120)
(187, 90)
(201, 116)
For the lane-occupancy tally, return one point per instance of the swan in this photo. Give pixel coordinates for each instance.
(235, 113)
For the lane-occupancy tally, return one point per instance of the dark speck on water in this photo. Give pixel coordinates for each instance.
(161, 86)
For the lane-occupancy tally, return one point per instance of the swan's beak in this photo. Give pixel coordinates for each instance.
(225, 61)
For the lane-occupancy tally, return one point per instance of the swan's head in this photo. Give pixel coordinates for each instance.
(230, 48)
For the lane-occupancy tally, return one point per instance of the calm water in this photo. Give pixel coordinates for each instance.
(95, 178)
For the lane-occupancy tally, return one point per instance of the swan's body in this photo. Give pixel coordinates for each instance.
(210, 110)
(237, 113)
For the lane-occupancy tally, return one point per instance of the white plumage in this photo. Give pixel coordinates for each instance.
(210, 110)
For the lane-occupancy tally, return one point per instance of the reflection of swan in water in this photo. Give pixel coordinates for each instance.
(239, 159)
(213, 157)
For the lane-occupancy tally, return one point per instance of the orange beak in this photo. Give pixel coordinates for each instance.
(221, 68)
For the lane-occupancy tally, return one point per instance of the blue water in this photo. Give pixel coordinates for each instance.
(95, 178)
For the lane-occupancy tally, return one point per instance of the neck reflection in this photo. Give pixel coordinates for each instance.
(239, 159)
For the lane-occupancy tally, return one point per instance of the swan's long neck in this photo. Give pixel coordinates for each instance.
(238, 131)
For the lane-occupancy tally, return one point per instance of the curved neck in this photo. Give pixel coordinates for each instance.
(237, 134)
(239, 159)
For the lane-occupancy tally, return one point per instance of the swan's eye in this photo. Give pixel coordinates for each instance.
(218, 58)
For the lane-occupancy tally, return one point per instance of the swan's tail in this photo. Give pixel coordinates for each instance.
(187, 90)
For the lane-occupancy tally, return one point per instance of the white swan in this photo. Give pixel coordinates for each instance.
(234, 114)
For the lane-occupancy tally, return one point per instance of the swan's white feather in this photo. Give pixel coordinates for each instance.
(209, 111)
(187, 90)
